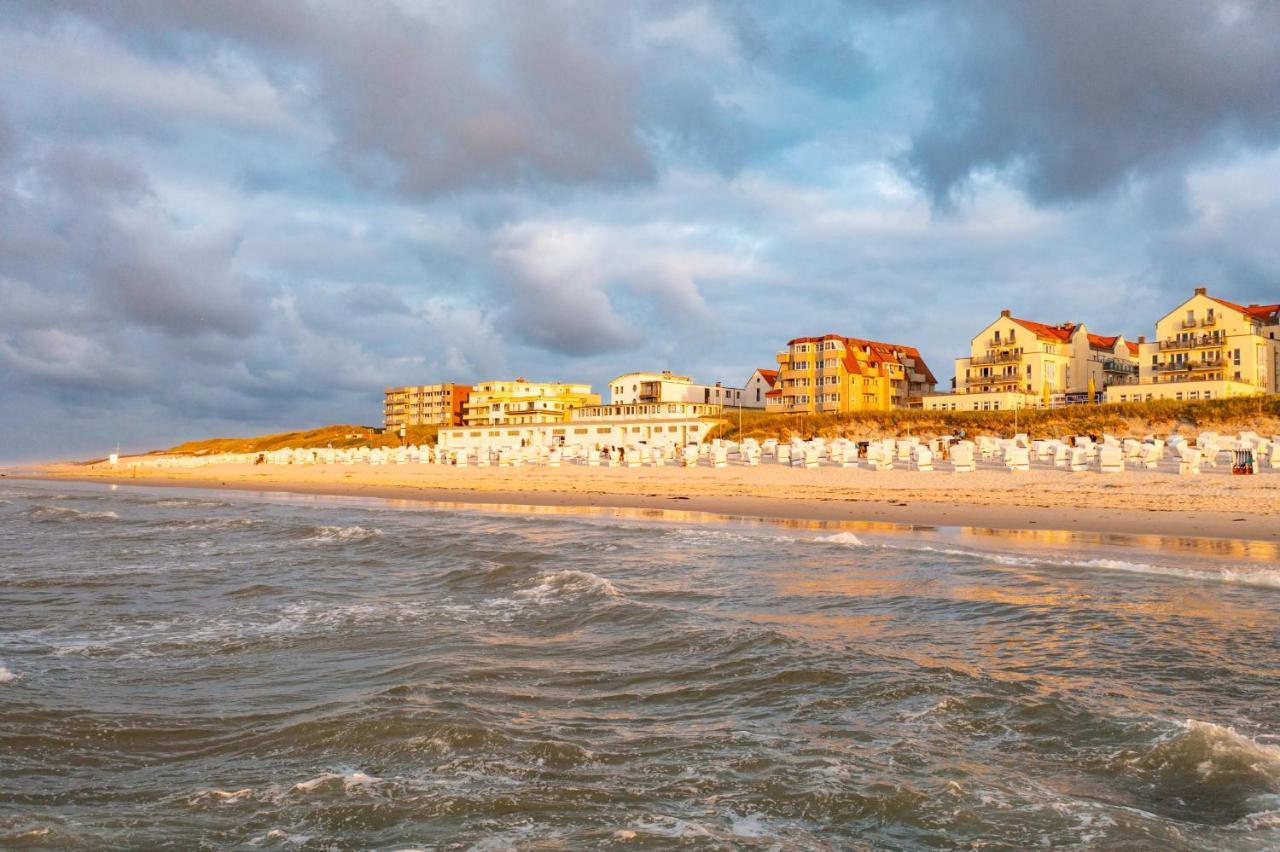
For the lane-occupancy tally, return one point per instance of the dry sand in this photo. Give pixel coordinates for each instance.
(1214, 504)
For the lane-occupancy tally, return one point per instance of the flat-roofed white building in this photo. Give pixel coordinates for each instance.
(668, 387)
(623, 425)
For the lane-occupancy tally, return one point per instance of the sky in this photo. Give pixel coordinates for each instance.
(228, 218)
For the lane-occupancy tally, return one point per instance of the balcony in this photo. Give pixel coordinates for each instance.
(1189, 323)
(997, 358)
(1209, 322)
(1194, 342)
(1185, 366)
(996, 342)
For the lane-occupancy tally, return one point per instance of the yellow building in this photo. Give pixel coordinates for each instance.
(1020, 363)
(424, 405)
(839, 374)
(519, 401)
(1209, 348)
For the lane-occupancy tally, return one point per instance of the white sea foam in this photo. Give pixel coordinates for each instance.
(335, 533)
(7, 676)
(846, 538)
(1208, 752)
(568, 585)
(347, 781)
(65, 513)
(1262, 577)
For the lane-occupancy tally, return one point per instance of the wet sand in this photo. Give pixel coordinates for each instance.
(1214, 504)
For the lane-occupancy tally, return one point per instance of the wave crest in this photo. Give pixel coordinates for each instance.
(336, 533)
(569, 585)
(65, 513)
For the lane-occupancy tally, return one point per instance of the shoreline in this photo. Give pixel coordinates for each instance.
(902, 508)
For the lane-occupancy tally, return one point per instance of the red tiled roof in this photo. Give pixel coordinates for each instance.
(770, 376)
(1098, 341)
(1133, 348)
(1054, 332)
(880, 353)
(1265, 313)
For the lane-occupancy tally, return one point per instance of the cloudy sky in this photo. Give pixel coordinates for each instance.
(234, 217)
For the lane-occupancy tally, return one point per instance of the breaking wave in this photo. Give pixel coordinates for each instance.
(7, 676)
(569, 585)
(1262, 577)
(1222, 774)
(336, 533)
(64, 513)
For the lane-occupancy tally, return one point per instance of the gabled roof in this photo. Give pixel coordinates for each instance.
(1265, 313)
(878, 354)
(1133, 348)
(770, 376)
(1052, 332)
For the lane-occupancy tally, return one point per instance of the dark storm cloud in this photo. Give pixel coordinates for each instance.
(1078, 97)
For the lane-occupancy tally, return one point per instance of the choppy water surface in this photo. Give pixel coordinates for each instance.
(201, 669)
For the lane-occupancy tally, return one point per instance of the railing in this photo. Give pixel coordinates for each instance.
(1203, 364)
(995, 342)
(1209, 322)
(1191, 323)
(1000, 358)
(1204, 340)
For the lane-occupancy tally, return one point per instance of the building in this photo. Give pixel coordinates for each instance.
(1208, 348)
(755, 391)
(668, 387)
(424, 405)
(1020, 363)
(839, 374)
(522, 402)
(624, 425)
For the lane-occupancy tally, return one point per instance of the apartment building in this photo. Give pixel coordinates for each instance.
(668, 387)
(519, 401)
(841, 374)
(424, 405)
(1020, 363)
(1208, 348)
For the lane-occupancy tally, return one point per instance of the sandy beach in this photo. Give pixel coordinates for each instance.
(1214, 504)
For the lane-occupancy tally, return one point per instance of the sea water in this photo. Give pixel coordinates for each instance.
(205, 669)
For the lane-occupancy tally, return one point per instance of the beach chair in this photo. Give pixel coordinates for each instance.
(1151, 456)
(923, 459)
(1017, 458)
(1079, 460)
(811, 456)
(1060, 454)
(1110, 459)
(1188, 461)
(962, 458)
(720, 457)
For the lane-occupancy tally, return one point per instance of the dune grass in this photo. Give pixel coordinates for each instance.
(338, 436)
(1260, 414)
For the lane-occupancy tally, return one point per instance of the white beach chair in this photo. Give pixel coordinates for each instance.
(923, 459)
(1017, 458)
(1111, 459)
(962, 458)
(1188, 461)
(1079, 459)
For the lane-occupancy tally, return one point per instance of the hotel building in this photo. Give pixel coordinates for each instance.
(1209, 348)
(668, 387)
(841, 374)
(520, 402)
(1019, 363)
(625, 425)
(424, 405)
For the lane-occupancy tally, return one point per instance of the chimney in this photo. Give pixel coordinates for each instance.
(1006, 313)
(1201, 291)
(1142, 338)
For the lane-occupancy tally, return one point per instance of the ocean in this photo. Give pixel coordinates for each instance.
(207, 670)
